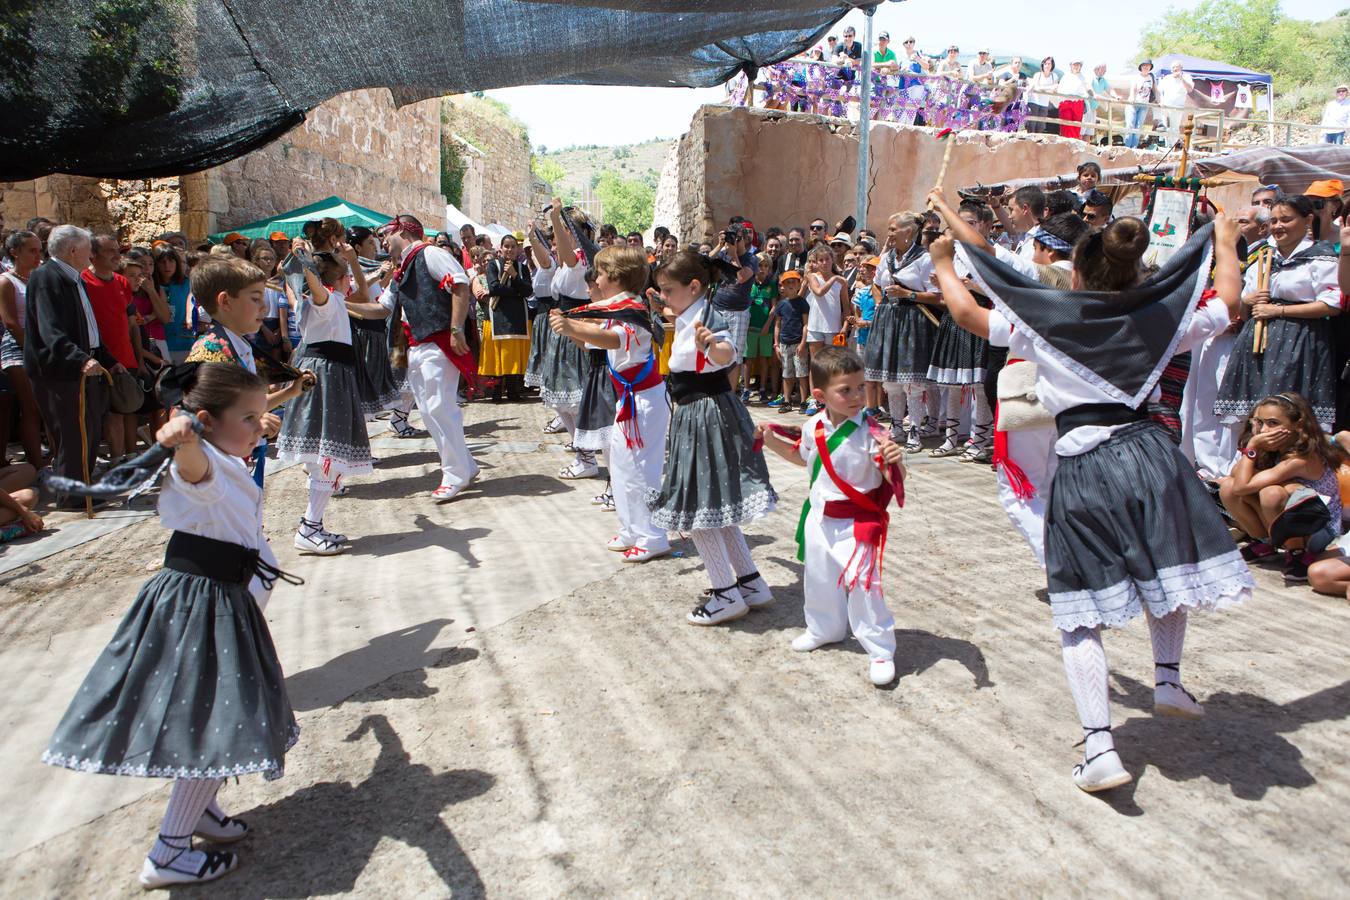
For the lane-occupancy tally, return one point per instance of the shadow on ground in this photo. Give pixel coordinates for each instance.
(320, 839)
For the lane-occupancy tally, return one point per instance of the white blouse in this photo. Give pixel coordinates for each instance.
(914, 277)
(225, 505)
(635, 344)
(569, 282)
(854, 460)
(1316, 280)
(328, 322)
(1059, 389)
(826, 310)
(683, 352)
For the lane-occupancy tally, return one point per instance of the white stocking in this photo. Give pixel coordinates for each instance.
(981, 420)
(713, 551)
(897, 399)
(951, 413)
(1085, 666)
(738, 551)
(1168, 635)
(188, 801)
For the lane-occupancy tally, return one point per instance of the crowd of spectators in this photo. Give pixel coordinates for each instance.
(89, 321)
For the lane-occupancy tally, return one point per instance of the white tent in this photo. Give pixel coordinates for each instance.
(455, 220)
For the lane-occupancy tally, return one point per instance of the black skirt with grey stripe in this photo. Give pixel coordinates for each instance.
(563, 366)
(539, 332)
(1128, 528)
(959, 356)
(900, 344)
(375, 378)
(595, 418)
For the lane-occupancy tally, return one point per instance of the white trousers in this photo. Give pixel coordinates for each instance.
(435, 386)
(1033, 449)
(831, 608)
(633, 471)
(1208, 441)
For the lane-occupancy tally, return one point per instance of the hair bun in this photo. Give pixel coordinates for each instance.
(1124, 241)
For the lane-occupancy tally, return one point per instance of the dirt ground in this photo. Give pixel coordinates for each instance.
(565, 733)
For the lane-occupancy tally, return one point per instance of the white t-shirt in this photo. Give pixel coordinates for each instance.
(1141, 87)
(1042, 88)
(1059, 389)
(1336, 115)
(1073, 85)
(827, 315)
(1173, 90)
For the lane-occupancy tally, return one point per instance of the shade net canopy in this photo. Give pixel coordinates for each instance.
(144, 88)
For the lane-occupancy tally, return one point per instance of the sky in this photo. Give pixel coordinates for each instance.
(649, 113)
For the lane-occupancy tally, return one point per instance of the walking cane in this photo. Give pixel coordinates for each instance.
(84, 440)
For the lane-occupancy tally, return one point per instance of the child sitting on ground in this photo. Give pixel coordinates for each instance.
(855, 469)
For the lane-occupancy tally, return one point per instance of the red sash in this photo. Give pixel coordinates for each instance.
(868, 512)
(1022, 487)
(465, 362)
(627, 390)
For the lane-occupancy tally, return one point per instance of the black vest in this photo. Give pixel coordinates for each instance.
(420, 298)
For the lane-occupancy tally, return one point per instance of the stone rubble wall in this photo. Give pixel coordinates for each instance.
(499, 186)
(784, 169)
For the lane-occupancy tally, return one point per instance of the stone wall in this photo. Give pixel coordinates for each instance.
(356, 145)
(784, 169)
(499, 187)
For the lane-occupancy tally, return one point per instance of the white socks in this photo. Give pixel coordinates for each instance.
(190, 798)
(319, 495)
(1085, 666)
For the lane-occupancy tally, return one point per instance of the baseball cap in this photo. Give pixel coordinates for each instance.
(842, 238)
(278, 236)
(232, 237)
(1331, 187)
(790, 275)
(884, 36)
(872, 261)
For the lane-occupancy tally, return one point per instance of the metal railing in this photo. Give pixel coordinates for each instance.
(955, 102)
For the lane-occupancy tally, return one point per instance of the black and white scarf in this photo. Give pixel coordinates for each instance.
(1119, 342)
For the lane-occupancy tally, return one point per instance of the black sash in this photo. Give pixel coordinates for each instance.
(569, 303)
(1097, 414)
(221, 561)
(333, 351)
(686, 387)
(598, 358)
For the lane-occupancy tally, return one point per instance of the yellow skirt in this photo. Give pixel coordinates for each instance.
(505, 357)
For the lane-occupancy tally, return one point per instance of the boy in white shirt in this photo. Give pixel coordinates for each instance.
(855, 470)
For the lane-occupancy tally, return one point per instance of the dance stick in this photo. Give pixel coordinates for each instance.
(1264, 258)
(947, 135)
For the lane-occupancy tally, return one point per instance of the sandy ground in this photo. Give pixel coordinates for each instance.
(492, 704)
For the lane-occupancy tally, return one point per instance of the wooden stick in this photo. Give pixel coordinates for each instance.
(923, 308)
(84, 441)
(946, 158)
(1264, 258)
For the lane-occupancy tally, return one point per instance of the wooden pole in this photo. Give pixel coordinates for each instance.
(1264, 258)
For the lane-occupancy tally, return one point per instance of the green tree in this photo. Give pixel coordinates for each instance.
(548, 169)
(627, 202)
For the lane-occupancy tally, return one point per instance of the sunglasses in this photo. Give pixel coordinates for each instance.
(1244, 221)
(817, 227)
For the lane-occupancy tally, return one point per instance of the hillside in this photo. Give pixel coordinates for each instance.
(582, 165)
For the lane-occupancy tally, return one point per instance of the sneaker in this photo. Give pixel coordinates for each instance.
(806, 642)
(220, 831)
(775, 402)
(1257, 550)
(555, 426)
(719, 605)
(881, 671)
(618, 544)
(311, 538)
(810, 409)
(642, 554)
(1296, 568)
(745, 396)
(577, 469)
(912, 442)
(189, 867)
(447, 492)
(883, 415)
(754, 590)
(1101, 773)
(1171, 699)
(785, 407)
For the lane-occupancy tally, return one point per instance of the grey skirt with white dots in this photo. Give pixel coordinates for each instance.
(189, 687)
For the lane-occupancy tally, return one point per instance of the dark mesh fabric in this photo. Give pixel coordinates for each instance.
(138, 88)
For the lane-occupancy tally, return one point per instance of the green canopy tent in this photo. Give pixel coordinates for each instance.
(290, 223)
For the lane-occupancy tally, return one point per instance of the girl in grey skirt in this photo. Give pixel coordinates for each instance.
(190, 687)
(714, 480)
(1129, 528)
